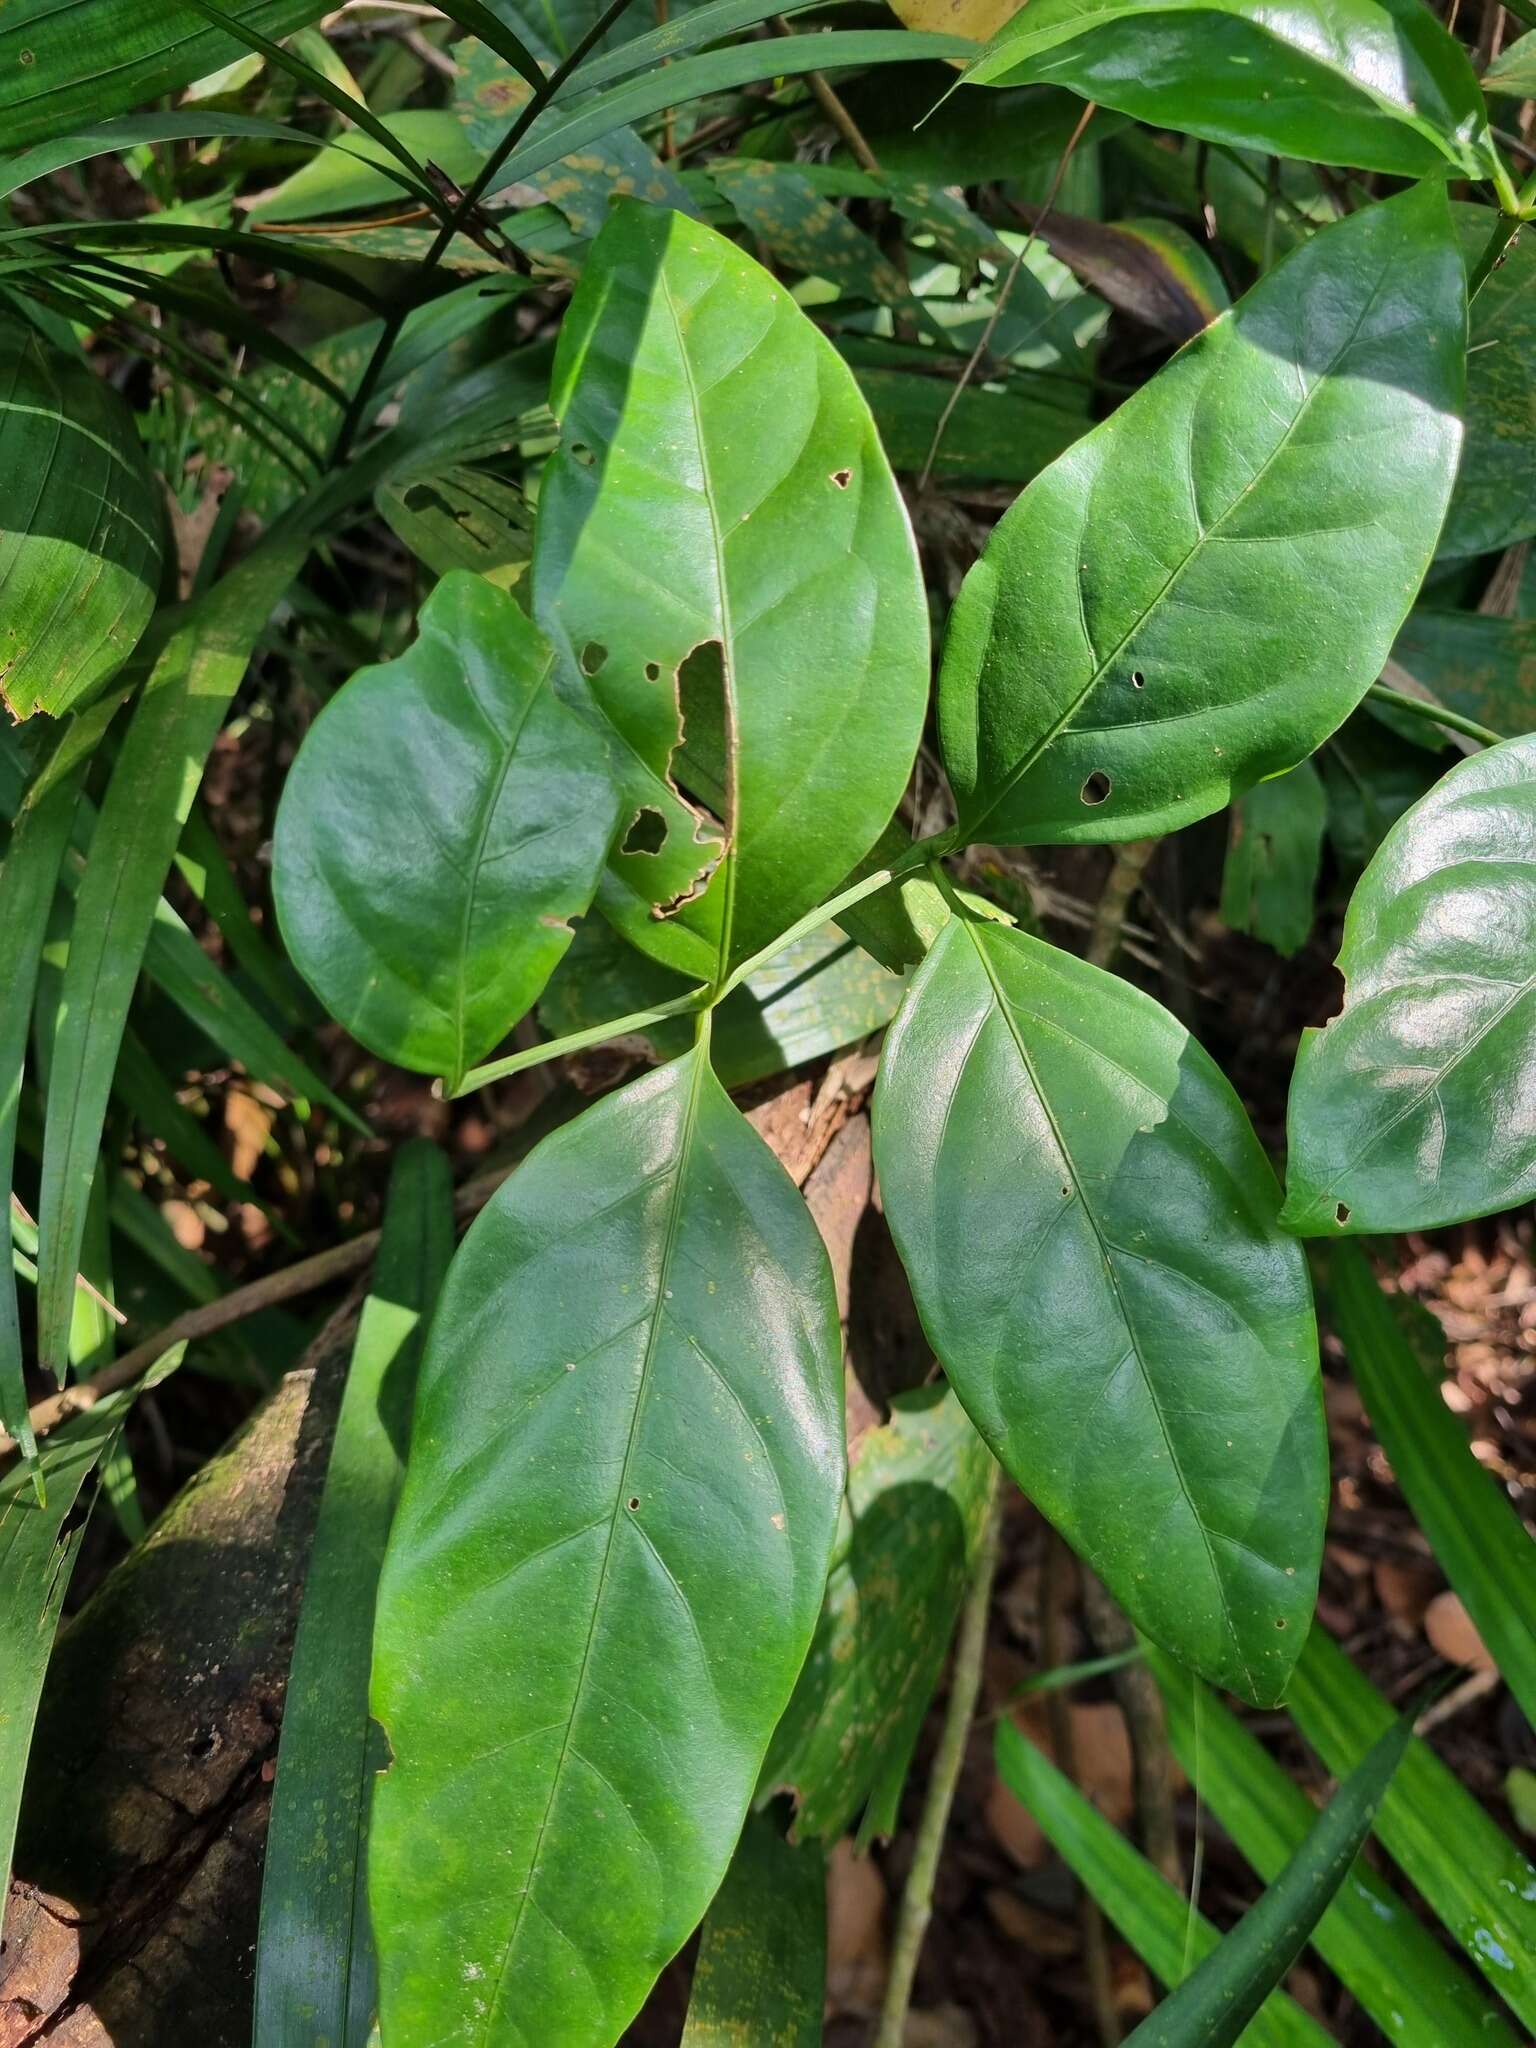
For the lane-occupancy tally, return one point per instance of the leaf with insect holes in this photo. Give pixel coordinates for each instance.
(1413, 1108)
(724, 564)
(1203, 588)
(625, 1466)
(79, 526)
(446, 817)
(1090, 1228)
(1377, 84)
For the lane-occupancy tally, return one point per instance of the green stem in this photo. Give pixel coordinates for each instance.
(964, 1689)
(686, 1005)
(1504, 231)
(1436, 714)
(368, 383)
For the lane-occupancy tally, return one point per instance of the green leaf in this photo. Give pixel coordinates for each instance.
(606, 1566)
(1370, 1938)
(352, 171)
(1474, 1532)
(66, 62)
(1378, 84)
(79, 525)
(28, 878)
(719, 534)
(153, 784)
(38, 1548)
(1215, 2005)
(1494, 502)
(1441, 1837)
(1089, 1226)
(917, 1496)
(762, 1967)
(1478, 664)
(1274, 853)
(1513, 71)
(1197, 593)
(315, 1970)
(1155, 1918)
(445, 818)
(1407, 1110)
(989, 436)
(565, 130)
(461, 518)
(803, 231)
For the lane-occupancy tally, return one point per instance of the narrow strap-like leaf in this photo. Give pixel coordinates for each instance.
(1151, 1913)
(1213, 2006)
(28, 878)
(147, 802)
(1486, 1551)
(315, 1972)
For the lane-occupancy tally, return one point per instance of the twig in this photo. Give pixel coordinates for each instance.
(287, 1284)
(916, 1908)
(834, 109)
(1125, 879)
(85, 1286)
(1145, 1723)
(1058, 1713)
(1467, 1694)
(1000, 302)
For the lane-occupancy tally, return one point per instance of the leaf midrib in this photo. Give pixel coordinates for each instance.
(669, 1246)
(1004, 1008)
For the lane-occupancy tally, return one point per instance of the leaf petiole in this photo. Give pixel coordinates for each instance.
(1437, 714)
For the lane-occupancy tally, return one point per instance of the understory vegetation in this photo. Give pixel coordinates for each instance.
(767, 1023)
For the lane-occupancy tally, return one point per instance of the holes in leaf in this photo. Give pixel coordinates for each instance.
(593, 655)
(648, 832)
(1138, 680)
(1096, 788)
(1341, 1213)
(634, 1502)
(653, 671)
(1281, 1623)
(581, 453)
(842, 478)
(701, 762)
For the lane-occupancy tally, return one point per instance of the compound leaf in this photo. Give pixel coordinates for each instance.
(606, 1567)
(1410, 1109)
(1198, 592)
(1089, 1225)
(445, 817)
(1374, 83)
(724, 564)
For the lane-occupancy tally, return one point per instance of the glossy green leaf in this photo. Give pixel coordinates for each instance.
(1412, 1107)
(1480, 1541)
(917, 1497)
(316, 1980)
(762, 1967)
(154, 781)
(66, 62)
(356, 171)
(720, 537)
(1494, 502)
(1089, 1226)
(1441, 1837)
(1154, 1917)
(1374, 83)
(1215, 2004)
(445, 818)
(1274, 853)
(38, 1548)
(79, 525)
(1199, 591)
(606, 1567)
(1369, 1937)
